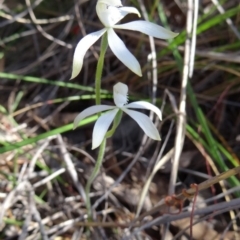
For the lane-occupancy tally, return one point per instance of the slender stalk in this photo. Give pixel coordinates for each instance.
(93, 175)
(98, 164)
(104, 45)
(116, 122)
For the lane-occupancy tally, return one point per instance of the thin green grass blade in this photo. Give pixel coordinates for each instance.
(18, 99)
(211, 145)
(66, 128)
(233, 181)
(180, 39)
(10, 76)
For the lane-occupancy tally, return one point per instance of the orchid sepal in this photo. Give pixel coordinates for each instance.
(144, 122)
(81, 49)
(147, 28)
(90, 111)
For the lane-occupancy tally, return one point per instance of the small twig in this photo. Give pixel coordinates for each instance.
(228, 20)
(36, 156)
(32, 212)
(214, 210)
(191, 191)
(160, 163)
(70, 167)
(192, 212)
(40, 29)
(190, 46)
(38, 21)
(49, 178)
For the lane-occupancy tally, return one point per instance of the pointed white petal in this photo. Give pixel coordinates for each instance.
(145, 105)
(81, 49)
(101, 126)
(122, 53)
(144, 122)
(90, 111)
(126, 10)
(148, 28)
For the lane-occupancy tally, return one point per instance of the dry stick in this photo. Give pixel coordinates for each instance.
(179, 197)
(160, 161)
(38, 21)
(152, 57)
(40, 29)
(49, 178)
(221, 183)
(36, 156)
(25, 173)
(214, 210)
(181, 121)
(223, 235)
(20, 15)
(154, 75)
(192, 212)
(191, 68)
(191, 191)
(194, 38)
(32, 212)
(146, 186)
(220, 206)
(228, 20)
(189, 56)
(70, 167)
(8, 202)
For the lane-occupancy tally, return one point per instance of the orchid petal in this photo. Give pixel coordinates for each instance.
(90, 111)
(81, 49)
(145, 105)
(148, 28)
(101, 126)
(126, 10)
(122, 53)
(144, 122)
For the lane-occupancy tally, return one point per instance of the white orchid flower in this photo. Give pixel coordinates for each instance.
(101, 126)
(110, 12)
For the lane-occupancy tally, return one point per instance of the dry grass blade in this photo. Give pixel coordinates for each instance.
(189, 56)
(70, 167)
(189, 193)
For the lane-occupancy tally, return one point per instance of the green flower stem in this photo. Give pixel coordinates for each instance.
(93, 175)
(104, 45)
(98, 164)
(116, 122)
